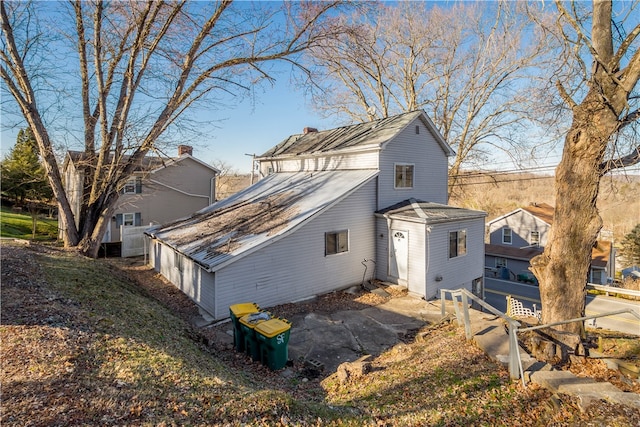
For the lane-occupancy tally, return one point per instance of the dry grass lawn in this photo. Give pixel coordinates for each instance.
(83, 344)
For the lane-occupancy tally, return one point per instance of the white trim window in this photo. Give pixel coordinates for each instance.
(336, 242)
(457, 243)
(129, 187)
(128, 219)
(507, 236)
(403, 175)
(534, 238)
(501, 262)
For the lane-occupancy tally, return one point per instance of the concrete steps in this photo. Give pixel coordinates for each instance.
(490, 334)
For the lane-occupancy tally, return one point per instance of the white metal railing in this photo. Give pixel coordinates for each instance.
(515, 363)
(613, 290)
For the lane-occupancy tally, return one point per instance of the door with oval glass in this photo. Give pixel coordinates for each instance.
(399, 255)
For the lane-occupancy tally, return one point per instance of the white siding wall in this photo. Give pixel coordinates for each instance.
(295, 267)
(382, 249)
(362, 160)
(430, 171)
(195, 282)
(455, 272)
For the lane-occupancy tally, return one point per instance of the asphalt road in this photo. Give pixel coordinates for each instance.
(496, 291)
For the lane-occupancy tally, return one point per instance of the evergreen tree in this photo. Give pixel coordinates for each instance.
(630, 246)
(23, 176)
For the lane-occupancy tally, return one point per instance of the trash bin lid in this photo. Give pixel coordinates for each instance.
(241, 309)
(273, 327)
(252, 319)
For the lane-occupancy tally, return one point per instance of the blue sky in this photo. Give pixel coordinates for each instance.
(249, 127)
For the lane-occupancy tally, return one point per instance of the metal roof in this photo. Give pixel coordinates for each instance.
(258, 215)
(429, 212)
(369, 135)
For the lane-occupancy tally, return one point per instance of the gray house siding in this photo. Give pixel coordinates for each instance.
(430, 167)
(521, 224)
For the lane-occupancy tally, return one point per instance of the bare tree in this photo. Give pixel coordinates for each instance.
(602, 136)
(141, 66)
(468, 65)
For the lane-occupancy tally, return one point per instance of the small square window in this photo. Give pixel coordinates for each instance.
(130, 187)
(404, 176)
(336, 242)
(501, 262)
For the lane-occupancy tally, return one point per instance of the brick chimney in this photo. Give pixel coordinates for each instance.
(185, 149)
(309, 130)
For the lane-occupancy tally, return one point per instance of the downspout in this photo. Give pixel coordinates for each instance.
(212, 190)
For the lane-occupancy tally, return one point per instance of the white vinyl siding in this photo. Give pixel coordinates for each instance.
(186, 275)
(295, 267)
(348, 161)
(460, 271)
(430, 171)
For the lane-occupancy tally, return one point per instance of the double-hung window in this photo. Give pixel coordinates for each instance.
(403, 175)
(534, 238)
(128, 219)
(130, 187)
(506, 236)
(457, 243)
(336, 242)
(133, 186)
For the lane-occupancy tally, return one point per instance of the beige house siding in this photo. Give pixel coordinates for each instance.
(174, 190)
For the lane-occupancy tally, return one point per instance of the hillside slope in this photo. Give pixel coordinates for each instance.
(82, 344)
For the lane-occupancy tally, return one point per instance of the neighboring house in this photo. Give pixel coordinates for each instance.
(331, 209)
(159, 191)
(518, 236)
(632, 272)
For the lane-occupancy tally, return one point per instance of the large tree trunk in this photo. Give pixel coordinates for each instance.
(563, 267)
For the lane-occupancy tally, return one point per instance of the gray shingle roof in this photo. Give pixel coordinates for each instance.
(359, 136)
(429, 212)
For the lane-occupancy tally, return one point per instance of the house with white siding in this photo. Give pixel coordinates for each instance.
(331, 209)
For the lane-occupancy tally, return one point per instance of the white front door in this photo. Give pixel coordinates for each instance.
(399, 255)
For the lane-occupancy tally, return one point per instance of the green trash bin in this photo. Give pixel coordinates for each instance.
(273, 338)
(248, 324)
(237, 311)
